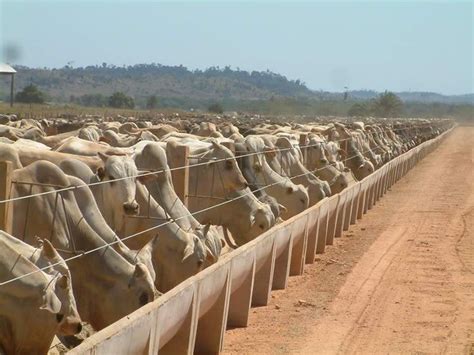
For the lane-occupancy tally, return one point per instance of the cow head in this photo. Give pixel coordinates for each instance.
(118, 194)
(226, 168)
(315, 154)
(295, 200)
(176, 258)
(67, 316)
(120, 294)
(260, 220)
(364, 169)
(141, 286)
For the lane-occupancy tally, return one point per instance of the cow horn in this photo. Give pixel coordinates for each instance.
(206, 229)
(282, 208)
(120, 248)
(103, 156)
(229, 242)
(210, 255)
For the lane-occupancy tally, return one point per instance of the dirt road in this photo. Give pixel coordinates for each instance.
(400, 281)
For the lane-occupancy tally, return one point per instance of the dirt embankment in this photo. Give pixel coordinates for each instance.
(400, 281)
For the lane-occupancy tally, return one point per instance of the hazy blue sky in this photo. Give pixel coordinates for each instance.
(422, 46)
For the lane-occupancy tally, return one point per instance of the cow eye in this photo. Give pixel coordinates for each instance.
(261, 226)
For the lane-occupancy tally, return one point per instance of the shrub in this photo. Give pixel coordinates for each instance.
(120, 100)
(31, 95)
(215, 108)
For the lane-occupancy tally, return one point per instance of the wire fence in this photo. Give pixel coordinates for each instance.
(155, 172)
(107, 245)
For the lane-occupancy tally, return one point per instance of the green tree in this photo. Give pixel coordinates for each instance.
(31, 95)
(388, 105)
(215, 108)
(120, 100)
(152, 102)
(359, 110)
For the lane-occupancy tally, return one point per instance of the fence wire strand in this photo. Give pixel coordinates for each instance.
(107, 245)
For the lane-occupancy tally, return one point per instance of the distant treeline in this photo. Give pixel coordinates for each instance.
(143, 80)
(155, 86)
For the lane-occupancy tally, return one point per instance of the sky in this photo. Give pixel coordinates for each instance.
(397, 46)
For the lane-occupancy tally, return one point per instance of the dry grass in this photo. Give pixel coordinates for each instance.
(55, 111)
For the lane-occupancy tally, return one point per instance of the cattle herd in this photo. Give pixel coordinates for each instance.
(97, 227)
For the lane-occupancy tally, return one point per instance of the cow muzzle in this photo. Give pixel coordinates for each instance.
(70, 326)
(131, 208)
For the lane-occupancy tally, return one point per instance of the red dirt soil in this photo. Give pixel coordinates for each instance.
(400, 281)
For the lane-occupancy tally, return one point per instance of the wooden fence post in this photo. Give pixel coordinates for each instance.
(303, 147)
(6, 169)
(229, 145)
(178, 157)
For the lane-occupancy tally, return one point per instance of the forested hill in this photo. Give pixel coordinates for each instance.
(177, 86)
(143, 80)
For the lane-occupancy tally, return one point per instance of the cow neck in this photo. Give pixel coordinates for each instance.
(169, 228)
(30, 285)
(93, 216)
(107, 213)
(270, 176)
(233, 215)
(163, 192)
(205, 191)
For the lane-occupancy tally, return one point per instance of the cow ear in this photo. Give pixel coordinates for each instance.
(215, 143)
(206, 229)
(269, 151)
(48, 249)
(101, 173)
(252, 219)
(50, 302)
(146, 176)
(63, 282)
(360, 167)
(103, 156)
(140, 271)
(188, 251)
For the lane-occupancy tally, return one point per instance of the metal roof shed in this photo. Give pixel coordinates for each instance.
(5, 69)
